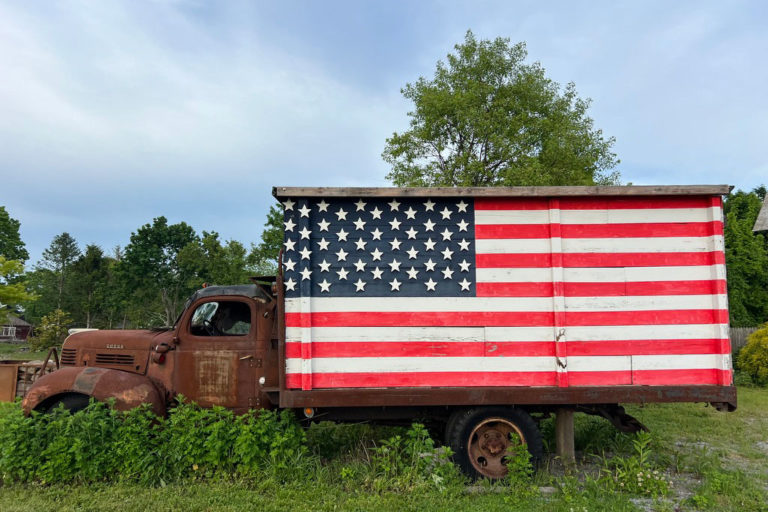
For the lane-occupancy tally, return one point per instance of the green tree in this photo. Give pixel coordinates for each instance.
(90, 274)
(58, 258)
(152, 272)
(489, 119)
(11, 245)
(746, 256)
(11, 293)
(263, 257)
(52, 330)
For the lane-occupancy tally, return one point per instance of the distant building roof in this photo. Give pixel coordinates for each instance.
(16, 322)
(761, 224)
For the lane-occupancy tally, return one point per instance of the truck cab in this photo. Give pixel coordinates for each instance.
(221, 351)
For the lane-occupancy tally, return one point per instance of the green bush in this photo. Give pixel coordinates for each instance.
(102, 444)
(753, 358)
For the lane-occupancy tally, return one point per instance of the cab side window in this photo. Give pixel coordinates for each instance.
(225, 318)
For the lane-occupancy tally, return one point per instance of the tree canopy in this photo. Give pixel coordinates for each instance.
(11, 245)
(489, 119)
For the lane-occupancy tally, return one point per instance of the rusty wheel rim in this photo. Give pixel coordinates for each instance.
(491, 443)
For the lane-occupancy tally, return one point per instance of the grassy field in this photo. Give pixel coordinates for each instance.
(19, 351)
(714, 461)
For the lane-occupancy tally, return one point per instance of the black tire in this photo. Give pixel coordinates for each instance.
(72, 402)
(481, 439)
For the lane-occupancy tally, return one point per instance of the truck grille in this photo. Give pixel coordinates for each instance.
(68, 356)
(114, 359)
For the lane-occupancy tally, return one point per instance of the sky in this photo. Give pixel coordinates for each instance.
(114, 113)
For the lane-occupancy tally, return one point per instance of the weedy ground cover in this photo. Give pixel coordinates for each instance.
(694, 459)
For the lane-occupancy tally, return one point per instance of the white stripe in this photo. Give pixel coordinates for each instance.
(496, 334)
(609, 216)
(500, 304)
(506, 364)
(598, 245)
(600, 275)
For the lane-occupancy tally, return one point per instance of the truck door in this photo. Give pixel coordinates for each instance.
(217, 362)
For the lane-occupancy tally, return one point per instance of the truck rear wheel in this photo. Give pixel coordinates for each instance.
(483, 439)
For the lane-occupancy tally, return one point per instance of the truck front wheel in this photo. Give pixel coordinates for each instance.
(72, 402)
(483, 440)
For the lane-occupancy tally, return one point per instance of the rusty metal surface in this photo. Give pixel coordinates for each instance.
(644, 190)
(8, 376)
(503, 396)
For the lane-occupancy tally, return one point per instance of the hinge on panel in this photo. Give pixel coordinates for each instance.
(254, 402)
(254, 363)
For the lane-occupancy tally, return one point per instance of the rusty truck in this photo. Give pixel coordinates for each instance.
(478, 311)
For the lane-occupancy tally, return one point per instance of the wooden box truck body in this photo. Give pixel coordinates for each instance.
(468, 308)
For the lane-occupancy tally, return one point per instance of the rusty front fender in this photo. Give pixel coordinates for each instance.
(128, 389)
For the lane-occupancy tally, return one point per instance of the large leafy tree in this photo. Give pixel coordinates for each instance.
(152, 272)
(12, 292)
(89, 285)
(213, 262)
(263, 257)
(746, 256)
(487, 118)
(11, 245)
(58, 259)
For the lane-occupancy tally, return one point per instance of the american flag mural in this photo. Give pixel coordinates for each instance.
(504, 291)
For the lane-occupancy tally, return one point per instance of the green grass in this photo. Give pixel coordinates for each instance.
(715, 461)
(19, 352)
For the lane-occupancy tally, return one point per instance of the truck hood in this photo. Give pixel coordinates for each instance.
(118, 339)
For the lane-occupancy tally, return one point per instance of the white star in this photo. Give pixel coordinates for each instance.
(304, 211)
(341, 214)
(306, 274)
(446, 213)
(360, 244)
(465, 284)
(446, 235)
(412, 253)
(322, 206)
(464, 266)
(360, 205)
(429, 205)
(290, 284)
(395, 243)
(376, 212)
(376, 254)
(305, 233)
(430, 245)
(462, 206)
(305, 252)
(323, 243)
(394, 266)
(342, 273)
(342, 255)
(463, 225)
(359, 223)
(288, 204)
(431, 285)
(464, 245)
(447, 253)
(360, 265)
(289, 245)
(377, 273)
(429, 225)
(360, 285)
(394, 205)
(447, 273)
(412, 273)
(290, 264)
(376, 234)
(325, 266)
(430, 265)
(395, 224)
(323, 224)
(342, 235)
(289, 225)
(410, 213)
(411, 233)
(395, 284)
(325, 286)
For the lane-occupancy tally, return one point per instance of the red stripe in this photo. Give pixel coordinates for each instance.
(615, 289)
(423, 379)
(595, 203)
(507, 319)
(329, 349)
(680, 377)
(629, 230)
(576, 260)
(613, 378)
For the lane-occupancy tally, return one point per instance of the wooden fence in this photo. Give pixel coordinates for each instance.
(739, 337)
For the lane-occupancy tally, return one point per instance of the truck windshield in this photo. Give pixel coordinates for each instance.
(226, 318)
